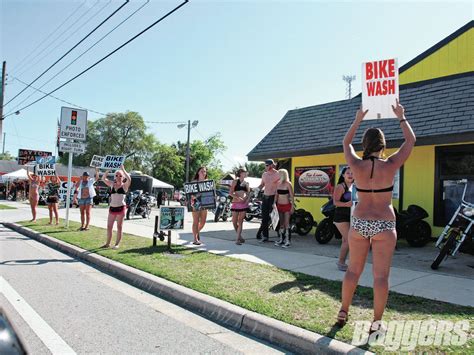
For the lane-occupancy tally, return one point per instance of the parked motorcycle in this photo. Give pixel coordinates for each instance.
(301, 221)
(412, 227)
(254, 209)
(222, 210)
(138, 204)
(456, 231)
(326, 229)
(42, 199)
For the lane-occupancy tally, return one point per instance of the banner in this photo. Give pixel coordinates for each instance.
(200, 195)
(171, 218)
(380, 88)
(317, 181)
(45, 166)
(96, 161)
(63, 191)
(26, 155)
(112, 162)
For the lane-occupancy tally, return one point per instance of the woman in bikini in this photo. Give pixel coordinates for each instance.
(53, 198)
(199, 214)
(373, 221)
(342, 215)
(240, 192)
(33, 193)
(118, 206)
(284, 199)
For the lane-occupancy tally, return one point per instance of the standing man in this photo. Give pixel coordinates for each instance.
(84, 195)
(270, 180)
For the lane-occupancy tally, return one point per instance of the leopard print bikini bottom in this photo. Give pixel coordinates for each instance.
(369, 228)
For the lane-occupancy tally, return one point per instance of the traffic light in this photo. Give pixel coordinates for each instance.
(74, 118)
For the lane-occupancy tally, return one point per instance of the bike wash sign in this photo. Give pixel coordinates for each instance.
(200, 195)
(73, 124)
(380, 88)
(45, 166)
(112, 162)
(96, 161)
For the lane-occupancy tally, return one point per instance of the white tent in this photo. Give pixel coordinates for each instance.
(20, 174)
(158, 184)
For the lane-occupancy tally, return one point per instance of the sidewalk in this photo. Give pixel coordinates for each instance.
(218, 239)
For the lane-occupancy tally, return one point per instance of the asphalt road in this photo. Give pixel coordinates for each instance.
(61, 305)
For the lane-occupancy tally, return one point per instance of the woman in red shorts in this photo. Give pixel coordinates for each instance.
(284, 199)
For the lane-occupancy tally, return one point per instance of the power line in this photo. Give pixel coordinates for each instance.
(77, 58)
(49, 36)
(108, 55)
(57, 98)
(69, 51)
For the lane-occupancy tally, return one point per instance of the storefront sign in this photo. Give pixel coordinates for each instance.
(73, 124)
(315, 181)
(200, 195)
(112, 162)
(72, 147)
(26, 155)
(96, 161)
(171, 218)
(379, 88)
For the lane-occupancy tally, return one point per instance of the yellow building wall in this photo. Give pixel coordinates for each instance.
(453, 58)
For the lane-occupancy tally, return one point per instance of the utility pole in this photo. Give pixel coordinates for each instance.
(187, 151)
(2, 94)
(3, 148)
(349, 79)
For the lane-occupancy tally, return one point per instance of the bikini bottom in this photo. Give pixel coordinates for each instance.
(368, 228)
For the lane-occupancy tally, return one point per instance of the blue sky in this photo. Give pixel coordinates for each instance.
(235, 66)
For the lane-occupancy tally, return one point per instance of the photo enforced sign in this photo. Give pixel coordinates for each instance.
(379, 88)
(112, 162)
(200, 195)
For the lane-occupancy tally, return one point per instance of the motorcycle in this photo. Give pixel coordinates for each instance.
(254, 209)
(138, 204)
(301, 221)
(456, 231)
(326, 229)
(42, 199)
(222, 210)
(409, 225)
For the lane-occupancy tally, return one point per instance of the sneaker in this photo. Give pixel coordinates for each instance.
(279, 243)
(259, 236)
(264, 240)
(286, 245)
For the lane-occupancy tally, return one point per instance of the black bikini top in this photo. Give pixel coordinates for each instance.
(387, 189)
(283, 192)
(119, 191)
(240, 187)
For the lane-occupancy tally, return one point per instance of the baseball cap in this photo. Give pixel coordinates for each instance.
(85, 173)
(269, 162)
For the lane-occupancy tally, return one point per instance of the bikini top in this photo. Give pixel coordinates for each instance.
(387, 189)
(120, 190)
(240, 187)
(346, 196)
(283, 192)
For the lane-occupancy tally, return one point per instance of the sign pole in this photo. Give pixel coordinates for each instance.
(68, 194)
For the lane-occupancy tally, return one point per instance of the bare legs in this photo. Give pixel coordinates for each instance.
(88, 215)
(343, 228)
(199, 220)
(383, 245)
(110, 226)
(33, 204)
(53, 208)
(238, 222)
(82, 208)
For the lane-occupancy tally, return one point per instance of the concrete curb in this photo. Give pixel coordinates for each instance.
(274, 331)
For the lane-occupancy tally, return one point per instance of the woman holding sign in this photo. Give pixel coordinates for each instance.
(33, 192)
(117, 203)
(199, 215)
(84, 195)
(52, 200)
(373, 221)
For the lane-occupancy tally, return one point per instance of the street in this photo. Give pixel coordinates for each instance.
(61, 305)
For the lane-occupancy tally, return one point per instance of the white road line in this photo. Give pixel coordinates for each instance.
(42, 329)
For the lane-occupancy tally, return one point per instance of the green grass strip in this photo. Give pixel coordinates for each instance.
(302, 300)
(6, 207)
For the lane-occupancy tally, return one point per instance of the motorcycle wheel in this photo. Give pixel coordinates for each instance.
(418, 234)
(324, 231)
(305, 223)
(446, 249)
(217, 215)
(224, 218)
(128, 213)
(248, 217)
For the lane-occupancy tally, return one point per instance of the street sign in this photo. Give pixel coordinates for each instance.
(73, 124)
(27, 155)
(72, 147)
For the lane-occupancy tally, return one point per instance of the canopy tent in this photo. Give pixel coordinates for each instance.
(20, 174)
(158, 184)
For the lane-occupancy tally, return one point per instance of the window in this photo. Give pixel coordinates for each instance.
(452, 164)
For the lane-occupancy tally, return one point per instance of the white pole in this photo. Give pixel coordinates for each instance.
(68, 195)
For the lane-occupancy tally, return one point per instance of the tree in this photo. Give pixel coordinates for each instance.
(254, 169)
(168, 165)
(6, 156)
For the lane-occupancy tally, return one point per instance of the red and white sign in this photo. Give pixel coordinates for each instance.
(379, 88)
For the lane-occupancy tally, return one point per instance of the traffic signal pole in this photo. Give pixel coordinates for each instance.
(2, 94)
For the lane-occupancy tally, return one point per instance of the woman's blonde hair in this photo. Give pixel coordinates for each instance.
(283, 175)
